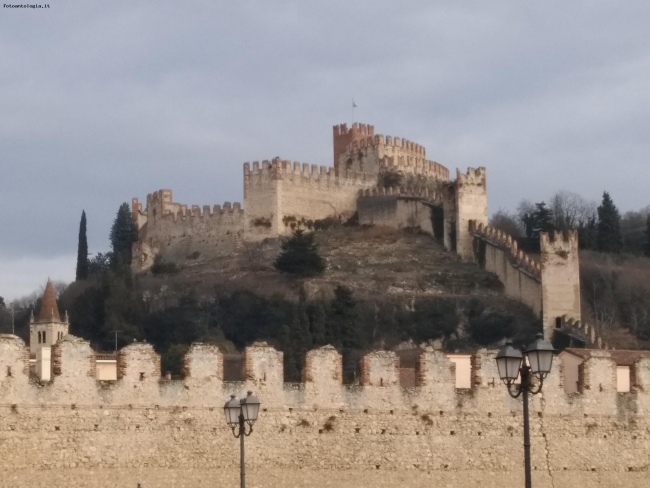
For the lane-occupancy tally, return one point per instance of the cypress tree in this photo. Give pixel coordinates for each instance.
(609, 237)
(123, 235)
(82, 250)
(646, 244)
(318, 327)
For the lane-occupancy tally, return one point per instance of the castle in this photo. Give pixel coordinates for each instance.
(280, 196)
(88, 420)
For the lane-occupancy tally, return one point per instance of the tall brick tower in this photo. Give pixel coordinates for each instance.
(344, 136)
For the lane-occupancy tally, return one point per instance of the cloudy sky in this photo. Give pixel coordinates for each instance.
(104, 101)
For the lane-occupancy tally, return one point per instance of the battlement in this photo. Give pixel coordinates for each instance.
(407, 146)
(473, 176)
(342, 137)
(140, 382)
(499, 238)
(591, 333)
(421, 193)
(230, 211)
(357, 129)
(374, 154)
(282, 169)
(559, 241)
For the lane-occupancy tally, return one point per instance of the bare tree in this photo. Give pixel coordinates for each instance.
(507, 222)
(570, 210)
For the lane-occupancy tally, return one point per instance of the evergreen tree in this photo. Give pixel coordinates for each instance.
(543, 220)
(317, 322)
(345, 326)
(123, 234)
(646, 245)
(609, 226)
(300, 343)
(300, 256)
(2, 303)
(535, 221)
(588, 233)
(82, 250)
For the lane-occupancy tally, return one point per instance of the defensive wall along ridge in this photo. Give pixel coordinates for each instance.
(76, 431)
(550, 285)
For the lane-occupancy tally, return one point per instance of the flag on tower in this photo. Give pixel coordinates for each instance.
(354, 105)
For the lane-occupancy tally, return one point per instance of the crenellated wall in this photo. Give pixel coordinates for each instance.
(398, 207)
(376, 153)
(520, 274)
(178, 230)
(277, 190)
(79, 432)
(280, 195)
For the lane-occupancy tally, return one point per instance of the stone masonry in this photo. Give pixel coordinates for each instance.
(75, 431)
(278, 195)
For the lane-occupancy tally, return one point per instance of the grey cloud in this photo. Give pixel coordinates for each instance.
(103, 102)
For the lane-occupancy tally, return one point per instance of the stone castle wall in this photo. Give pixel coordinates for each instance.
(176, 230)
(76, 431)
(398, 208)
(280, 192)
(277, 194)
(520, 274)
(375, 153)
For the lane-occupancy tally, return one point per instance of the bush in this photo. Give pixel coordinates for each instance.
(389, 179)
(163, 267)
(300, 256)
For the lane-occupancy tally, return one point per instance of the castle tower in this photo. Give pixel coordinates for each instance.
(560, 279)
(344, 137)
(471, 204)
(45, 330)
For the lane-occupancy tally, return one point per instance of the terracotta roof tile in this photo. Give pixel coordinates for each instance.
(49, 309)
(621, 357)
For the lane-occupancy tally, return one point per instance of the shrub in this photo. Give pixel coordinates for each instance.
(163, 267)
(389, 179)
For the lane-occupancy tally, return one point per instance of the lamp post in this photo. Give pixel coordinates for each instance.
(239, 414)
(537, 364)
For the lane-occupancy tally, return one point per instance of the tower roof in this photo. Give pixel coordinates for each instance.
(49, 309)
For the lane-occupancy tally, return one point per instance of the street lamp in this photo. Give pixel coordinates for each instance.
(511, 365)
(240, 413)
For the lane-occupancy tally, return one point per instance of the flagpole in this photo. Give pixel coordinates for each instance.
(353, 110)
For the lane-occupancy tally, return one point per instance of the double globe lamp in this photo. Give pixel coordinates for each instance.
(532, 366)
(239, 415)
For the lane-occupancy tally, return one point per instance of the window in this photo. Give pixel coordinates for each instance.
(39, 337)
(44, 337)
(558, 322)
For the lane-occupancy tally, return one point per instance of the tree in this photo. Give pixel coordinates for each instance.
(646, 245)
(317, 322)
(506, 222)
(588, 233)
(609, 226)
(123, 234)
(535, 219)
(100, 263)
(300, 256)
(2, 303)
(569, 209)
(82, 250)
